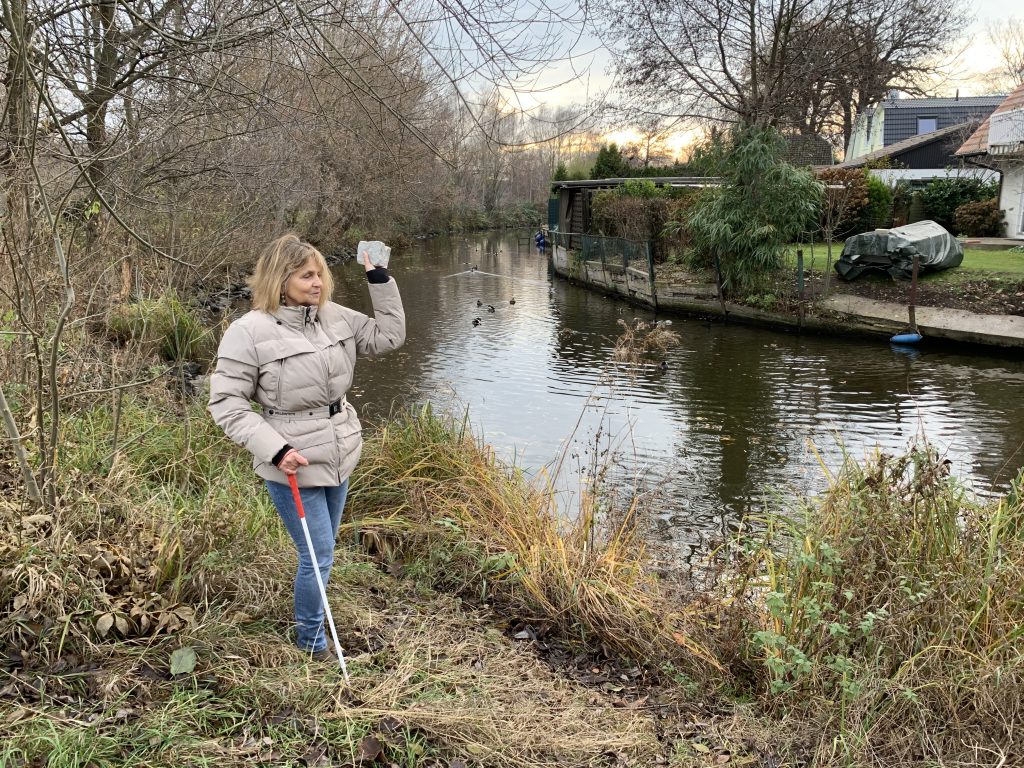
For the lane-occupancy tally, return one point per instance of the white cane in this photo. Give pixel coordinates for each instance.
(316, 570)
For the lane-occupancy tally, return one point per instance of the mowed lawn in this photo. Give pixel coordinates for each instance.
(978, 264)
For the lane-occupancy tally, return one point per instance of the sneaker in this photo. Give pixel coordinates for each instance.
(324, 655)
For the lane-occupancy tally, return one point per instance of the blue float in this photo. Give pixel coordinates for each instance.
(906, 338)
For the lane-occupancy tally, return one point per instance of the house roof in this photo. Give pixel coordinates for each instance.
(927, 103)
(977, 144)
(907, 144)
(659, 181)
(807, 149)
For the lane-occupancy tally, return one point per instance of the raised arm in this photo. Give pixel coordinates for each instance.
(384, 331)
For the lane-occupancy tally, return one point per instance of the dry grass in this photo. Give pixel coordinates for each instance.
(642, 340)
(429, 494)
(880, 625)
(152, 553)
(486, 699)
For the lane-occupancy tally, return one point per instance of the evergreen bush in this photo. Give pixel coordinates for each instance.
(610, 164)
(943, 196)
(878, 211)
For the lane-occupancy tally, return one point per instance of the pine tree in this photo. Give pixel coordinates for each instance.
(610, 164)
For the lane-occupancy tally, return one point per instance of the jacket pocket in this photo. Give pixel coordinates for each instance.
(350, 442)
(273, 355)
(313, 438)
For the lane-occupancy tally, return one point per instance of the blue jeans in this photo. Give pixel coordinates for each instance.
(323, 507)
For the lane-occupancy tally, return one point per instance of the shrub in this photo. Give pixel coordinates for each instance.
(895, 598)
(878, 211)
(849, 204)
(639, 210)
(901, 194)
(764, 202)
(979, 219)
(943, 196)
(175, 329)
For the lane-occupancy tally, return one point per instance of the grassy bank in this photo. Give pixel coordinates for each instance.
(146, 622)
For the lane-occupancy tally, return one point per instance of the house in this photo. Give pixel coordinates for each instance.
(998, 144)
(895, 120)
(922, 157)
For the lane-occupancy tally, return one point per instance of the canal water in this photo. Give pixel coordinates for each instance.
(734, 422)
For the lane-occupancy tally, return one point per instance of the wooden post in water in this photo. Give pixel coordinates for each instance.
(721, 293)
(913, 293)
(800, 285)
(650, 273)
(800, 271)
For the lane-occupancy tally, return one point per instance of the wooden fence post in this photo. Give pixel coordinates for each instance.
(913, 293)
(650, 273)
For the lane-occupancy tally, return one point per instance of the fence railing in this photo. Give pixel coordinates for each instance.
(616, 255)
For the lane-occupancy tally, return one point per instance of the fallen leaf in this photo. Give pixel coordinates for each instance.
(698, 747)
(316, 756)
(370, 749)
(183, 660)
(104, 623)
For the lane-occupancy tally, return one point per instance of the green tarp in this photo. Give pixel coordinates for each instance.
(893, 251)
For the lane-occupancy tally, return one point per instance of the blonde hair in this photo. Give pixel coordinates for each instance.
(279, 261)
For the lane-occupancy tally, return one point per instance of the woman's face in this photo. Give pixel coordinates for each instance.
(302, 288)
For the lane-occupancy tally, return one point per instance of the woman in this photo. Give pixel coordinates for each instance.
(294, 355)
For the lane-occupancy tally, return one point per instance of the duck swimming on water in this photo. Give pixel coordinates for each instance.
(476, 321)
(490, 307)
(479, 303)
(512, 300)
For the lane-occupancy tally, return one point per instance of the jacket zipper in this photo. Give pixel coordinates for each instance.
(320, 353)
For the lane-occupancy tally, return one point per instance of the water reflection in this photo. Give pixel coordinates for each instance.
(736, 411)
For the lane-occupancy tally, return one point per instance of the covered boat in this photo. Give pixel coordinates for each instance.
(893, 251)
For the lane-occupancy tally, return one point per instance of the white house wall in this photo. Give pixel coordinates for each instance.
(892, 175)
(1011, 200)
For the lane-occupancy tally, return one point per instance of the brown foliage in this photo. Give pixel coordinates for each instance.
(982, 218)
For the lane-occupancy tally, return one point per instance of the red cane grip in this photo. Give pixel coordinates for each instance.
(296, 495)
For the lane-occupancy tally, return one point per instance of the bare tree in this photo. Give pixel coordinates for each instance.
(146, 144)
(792, 64)
(1007, 37)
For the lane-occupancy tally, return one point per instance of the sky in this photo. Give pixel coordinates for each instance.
(978, 57)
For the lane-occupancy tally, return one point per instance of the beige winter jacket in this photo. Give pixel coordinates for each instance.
(293, 364)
